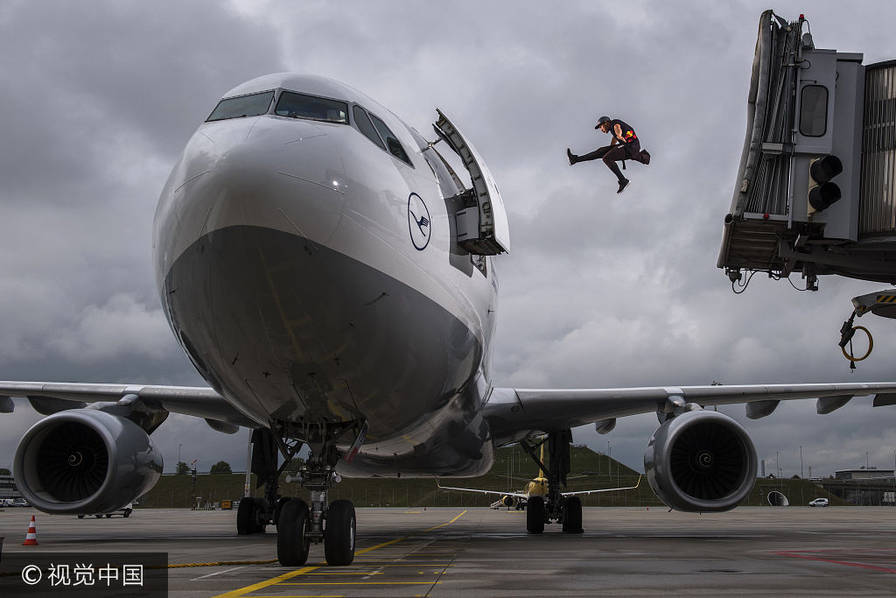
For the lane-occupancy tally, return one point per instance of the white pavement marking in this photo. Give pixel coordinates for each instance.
(217, 573)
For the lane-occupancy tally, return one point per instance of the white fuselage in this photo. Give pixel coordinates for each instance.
(296, 269)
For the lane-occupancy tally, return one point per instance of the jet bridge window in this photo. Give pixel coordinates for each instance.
(814, 111)
(250, 105)
(299, 105)
(391, 140)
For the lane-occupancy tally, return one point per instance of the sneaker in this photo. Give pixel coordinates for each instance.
(571, 156)
(622, 185)
(645, 157)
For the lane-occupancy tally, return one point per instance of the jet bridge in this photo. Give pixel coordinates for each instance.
(816, 186)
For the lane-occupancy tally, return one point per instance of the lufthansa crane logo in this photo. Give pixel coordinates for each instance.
(419, 222)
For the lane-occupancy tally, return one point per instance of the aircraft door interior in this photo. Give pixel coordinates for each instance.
(481, 223)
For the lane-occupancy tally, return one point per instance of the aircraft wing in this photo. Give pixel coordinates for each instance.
(479, 491)
(512, 413)
(50, 397)
(586, 492)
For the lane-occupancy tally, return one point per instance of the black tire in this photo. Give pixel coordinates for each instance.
(292, 534)
(535, 515)
(100, 516)
(339, 535)
(245, 516)
(572, 515)
(80, 516)
(108, 515)
(126, 514)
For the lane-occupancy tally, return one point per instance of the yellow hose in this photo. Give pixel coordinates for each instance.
(867, 353)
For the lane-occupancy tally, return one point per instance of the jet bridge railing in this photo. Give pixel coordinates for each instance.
(765, 163)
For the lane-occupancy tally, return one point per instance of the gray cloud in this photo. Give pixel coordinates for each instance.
(599, 291)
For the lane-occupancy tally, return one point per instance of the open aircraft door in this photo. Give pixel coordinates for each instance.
(482, 226)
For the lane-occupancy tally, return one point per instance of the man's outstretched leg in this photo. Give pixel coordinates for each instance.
(595, 155)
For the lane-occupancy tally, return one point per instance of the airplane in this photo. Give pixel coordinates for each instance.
(296, 273)
(538, 486)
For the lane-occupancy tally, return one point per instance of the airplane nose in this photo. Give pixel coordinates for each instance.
(252, 173)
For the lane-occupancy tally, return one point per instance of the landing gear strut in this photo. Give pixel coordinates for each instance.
(254, 514)
(554, 507)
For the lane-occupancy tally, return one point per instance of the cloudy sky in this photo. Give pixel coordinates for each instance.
(97, 99)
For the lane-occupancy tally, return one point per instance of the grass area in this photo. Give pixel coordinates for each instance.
(512, 470)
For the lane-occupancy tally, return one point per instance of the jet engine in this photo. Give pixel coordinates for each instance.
(701, 461)
(85, 461)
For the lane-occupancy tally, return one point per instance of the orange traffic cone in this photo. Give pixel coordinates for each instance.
(31, 536)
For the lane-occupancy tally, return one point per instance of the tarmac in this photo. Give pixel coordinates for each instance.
(759, 551)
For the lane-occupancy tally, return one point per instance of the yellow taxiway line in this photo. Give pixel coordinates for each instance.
(281, 579)
(266, 583)
(447, 522)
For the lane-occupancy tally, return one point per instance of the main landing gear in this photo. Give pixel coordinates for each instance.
(299, 524)
(553, 507)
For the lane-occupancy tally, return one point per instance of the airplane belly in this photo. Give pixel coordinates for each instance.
(293, 330)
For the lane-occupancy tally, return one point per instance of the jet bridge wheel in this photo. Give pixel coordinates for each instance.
(292, 534)
(572, 515)
(535, 515)
(339, 535)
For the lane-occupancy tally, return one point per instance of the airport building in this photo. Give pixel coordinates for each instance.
(863, 474)
(863, 486)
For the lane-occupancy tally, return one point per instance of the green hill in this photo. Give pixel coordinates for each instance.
(512, 470)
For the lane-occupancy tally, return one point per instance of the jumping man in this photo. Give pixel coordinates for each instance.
(624, 146)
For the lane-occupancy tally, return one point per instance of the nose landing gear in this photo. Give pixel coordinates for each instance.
(296, 530)
(334, 524)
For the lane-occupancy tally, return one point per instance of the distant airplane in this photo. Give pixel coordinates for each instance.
(539, 487)
(295, 270)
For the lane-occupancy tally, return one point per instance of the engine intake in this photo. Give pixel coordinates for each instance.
(701, 461)
(85, 461)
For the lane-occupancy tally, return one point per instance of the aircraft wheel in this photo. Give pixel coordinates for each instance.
(292, 538)
(80, 516)
(100, 516)
(247, 516)
(535, 515)
(572, 516)
(339, 535)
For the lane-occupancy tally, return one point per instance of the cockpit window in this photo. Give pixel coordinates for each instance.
(297, 105)
(366, 127)
(251, 105)
(391, 140)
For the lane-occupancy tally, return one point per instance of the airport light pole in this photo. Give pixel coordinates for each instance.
(801, 461)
